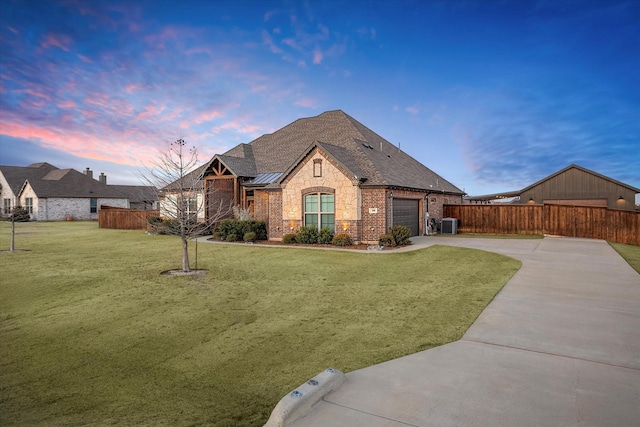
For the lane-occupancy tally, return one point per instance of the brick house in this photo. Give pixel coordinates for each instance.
(52, 194)
(328, 171)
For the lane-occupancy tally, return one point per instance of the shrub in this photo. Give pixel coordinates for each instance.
(233, 237)
(325, 236)
(289, 238)
(307, 235)
(240, 227)
(400, 234)
(19, 214)
(341, 240)
(216, 236)
(386, 240)
(249, 237)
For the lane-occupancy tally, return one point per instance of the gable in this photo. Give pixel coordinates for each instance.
(370, 157)
(305, 179)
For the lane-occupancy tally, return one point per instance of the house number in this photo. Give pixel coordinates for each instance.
(373, 210)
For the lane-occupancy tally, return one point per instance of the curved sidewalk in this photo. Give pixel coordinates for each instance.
(559, 345)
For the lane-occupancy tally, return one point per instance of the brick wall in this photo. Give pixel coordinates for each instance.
(275, 227)
(374, 214)
(261, 205)
(437, 200)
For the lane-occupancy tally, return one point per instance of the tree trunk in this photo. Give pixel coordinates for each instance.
(185, 254)
(12, 246)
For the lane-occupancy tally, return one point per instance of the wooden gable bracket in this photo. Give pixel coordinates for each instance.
(218, 168)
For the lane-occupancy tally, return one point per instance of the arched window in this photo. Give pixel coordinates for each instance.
(319, 210)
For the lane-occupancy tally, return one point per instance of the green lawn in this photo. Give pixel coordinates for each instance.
(90, 332)
(630, 253)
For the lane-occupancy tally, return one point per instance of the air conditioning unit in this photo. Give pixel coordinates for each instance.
(449, 226)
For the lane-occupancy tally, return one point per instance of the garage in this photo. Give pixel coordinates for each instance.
(407, 212)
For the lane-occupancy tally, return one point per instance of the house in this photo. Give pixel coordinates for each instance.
(328, 171)
(49, 193)
(573, 185)
(191, 188)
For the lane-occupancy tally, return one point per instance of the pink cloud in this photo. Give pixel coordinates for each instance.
(207, 116)
(36, 93)
(60, 41)
(306, 103)
(85, 59)
(66, 104)
(150, 111)
(412, 110)
(159, 40)
(266, 39)
(317, 56)
(131, 88)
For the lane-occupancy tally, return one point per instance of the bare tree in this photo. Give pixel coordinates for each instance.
(17, 214)
(182, 195)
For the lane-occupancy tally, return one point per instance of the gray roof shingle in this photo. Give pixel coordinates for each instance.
(355, 146)
(71, 183)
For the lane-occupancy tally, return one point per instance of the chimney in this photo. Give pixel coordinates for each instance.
(89, 173)
(103, 178)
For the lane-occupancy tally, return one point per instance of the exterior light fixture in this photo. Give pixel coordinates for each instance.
(620, 198)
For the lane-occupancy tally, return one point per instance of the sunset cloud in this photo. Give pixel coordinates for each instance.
(117, 80)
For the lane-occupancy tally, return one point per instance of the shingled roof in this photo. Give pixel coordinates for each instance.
(17, 175)
(69, 183)
(352, 144)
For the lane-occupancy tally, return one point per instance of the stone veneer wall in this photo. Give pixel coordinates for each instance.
(301, 180)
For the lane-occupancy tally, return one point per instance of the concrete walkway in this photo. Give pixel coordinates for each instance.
(558, 346)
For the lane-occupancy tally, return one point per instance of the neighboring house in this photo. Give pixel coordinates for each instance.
(140, 197)
(51, 194)
(573, 185)
(192, 189)
(328, 171)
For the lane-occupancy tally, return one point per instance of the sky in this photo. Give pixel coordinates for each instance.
(491, 95)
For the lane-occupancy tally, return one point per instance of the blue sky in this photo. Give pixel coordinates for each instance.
(492, 95)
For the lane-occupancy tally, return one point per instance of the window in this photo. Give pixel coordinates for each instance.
(319, 211)
(93, 203)
(317, 168)
(28, 205)
(191, 206)
(7, 206)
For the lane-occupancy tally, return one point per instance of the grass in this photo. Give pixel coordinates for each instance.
(92, 334)
(630, 253)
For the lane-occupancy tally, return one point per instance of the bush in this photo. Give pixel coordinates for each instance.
(249, 237)
(341, 240)
(19, 214)
(289, 238)
(325, 236)
(386, 240)
(163, 226)
(241, 227)
(400, 234)
(216, 236)
(307, 235)
(233, 237)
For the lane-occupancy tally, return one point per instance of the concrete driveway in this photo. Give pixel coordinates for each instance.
(558, 346)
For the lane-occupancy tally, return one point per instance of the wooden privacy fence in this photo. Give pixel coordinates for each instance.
(124, 219)
(560, 220)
